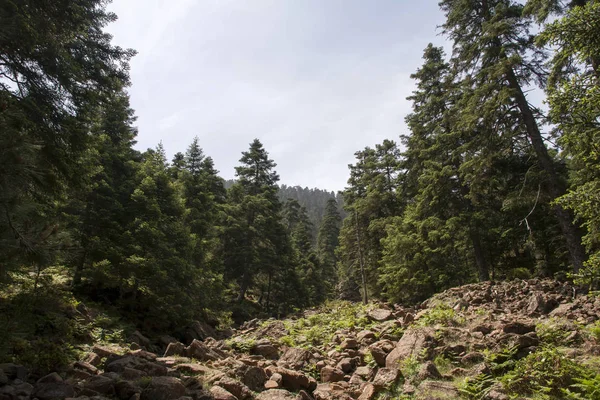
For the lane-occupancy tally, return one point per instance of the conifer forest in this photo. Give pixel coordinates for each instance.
(484, 185)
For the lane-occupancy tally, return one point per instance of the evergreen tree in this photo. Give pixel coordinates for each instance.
(495, 53)
(55, 76)
(327, 243)
(251, 239)
(574, 98)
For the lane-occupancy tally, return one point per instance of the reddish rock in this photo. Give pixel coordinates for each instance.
(330, 374)
(175, 349)
(219, 393)
(163, 388)
(295, 358)
(385, 377)
(349, 343)
(368, 392)
(413, 343)
(380, 314)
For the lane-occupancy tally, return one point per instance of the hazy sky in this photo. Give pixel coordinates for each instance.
(314, 80)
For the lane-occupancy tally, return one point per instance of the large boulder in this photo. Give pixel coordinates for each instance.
(380, 314)
(100, 384)
(175, 349)
(236, 388)
(163, 388)
(53, 391)
(265, 348)
(201, 351)
(386, 377)
(294, 358)
(379, 350)
(219, 393)
(330, 374)
(413, 343)
(254, 377)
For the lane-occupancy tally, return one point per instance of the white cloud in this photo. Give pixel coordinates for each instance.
(314, 80)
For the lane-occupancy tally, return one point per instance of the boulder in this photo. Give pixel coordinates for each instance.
(349, 343)
(380, 314)
(200, 351)
(53, 391)
(86, 367)
(265, 348)
(517, 327)
(303, 395)
(379, 350)
(254, 377)
(366, 337)
(50, 378)
(126, 389)
(347, 365)
(163, 388)
(219, 393)
(428, 371)
(386, 377)
(294, 380)
(368, 392)
(330, 374)
(100, 384)
(271, 384)
(175, 349)
(137, 337)
(413, 343)
(14, 371)
(295, 358)
(237, 388)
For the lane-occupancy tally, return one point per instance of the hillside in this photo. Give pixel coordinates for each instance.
(526, 339)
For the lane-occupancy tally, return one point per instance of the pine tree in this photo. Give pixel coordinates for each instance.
(574, 98)
(252, 222)
(495, 53)
(55, 76)
(327, 243)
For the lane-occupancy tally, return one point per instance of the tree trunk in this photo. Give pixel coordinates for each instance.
(556, 188)
(483, 270)
(361, 261)
(79, 269)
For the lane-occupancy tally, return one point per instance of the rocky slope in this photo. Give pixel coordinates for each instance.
(520, 339)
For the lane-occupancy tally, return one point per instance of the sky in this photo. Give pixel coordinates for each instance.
(314, 80)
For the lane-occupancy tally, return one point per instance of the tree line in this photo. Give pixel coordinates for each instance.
(485, 185)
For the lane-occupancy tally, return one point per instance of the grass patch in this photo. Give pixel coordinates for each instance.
(319, 328)
(441, 314)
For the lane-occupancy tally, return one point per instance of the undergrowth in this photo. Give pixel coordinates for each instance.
(319, 328)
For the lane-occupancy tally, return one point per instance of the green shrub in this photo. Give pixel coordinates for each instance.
(476, 388)
(410, 367)
(594, 331)
(545, 372)
(441, 314)
(554, 332)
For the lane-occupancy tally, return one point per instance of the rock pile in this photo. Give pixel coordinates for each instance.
(392, 352)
